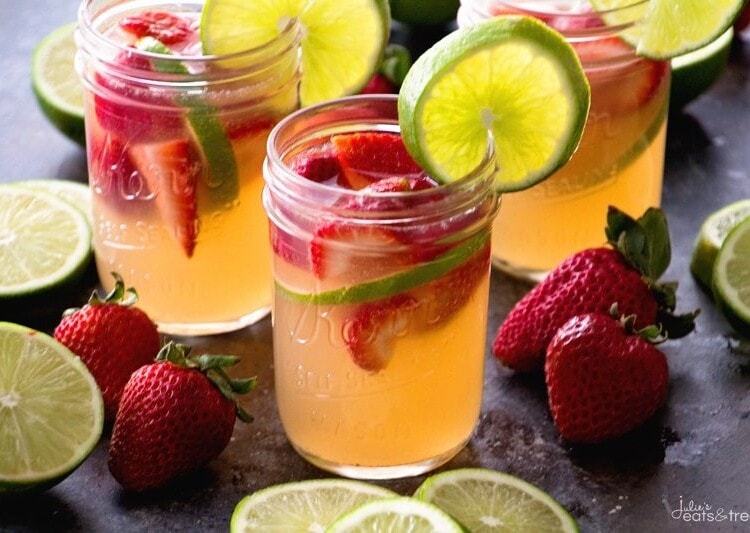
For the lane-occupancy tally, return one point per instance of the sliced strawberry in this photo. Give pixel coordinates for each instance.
(619, 89)
(171, 172)
(165, 27)
(319, 165)
(374, 326)
(371, 156)
(379, 84)
(290, 249)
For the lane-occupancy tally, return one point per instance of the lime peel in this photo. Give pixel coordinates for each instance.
(731, 277)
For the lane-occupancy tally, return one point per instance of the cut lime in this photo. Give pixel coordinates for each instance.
(73, 192)
(51, 410)
(44, 241)
(405, 515)
(510, 79)
(342, 42)
(56, 84)
(487, 500)
(711, 236)
(302, 505)
(666, 28)
(693, 73)
(731, 277)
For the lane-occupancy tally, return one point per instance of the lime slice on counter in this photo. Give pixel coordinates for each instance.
(395, 514)
(342, 42)
(208, 130)
(693, 73)
(488, 500)
(51, 410)
(302, 505)
(44, 241)
(731, 277)
(73, 192)
(56, 85)
(512, 77)
(711, 236)
(668, 28)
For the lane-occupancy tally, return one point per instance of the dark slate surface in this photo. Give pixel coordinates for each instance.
(696, 450)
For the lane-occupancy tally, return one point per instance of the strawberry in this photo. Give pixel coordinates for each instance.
(391, 72)
(379, 84)
(319, 165)
(370, 332)
(176, 414)
(113, 339)
(170, 170)
(602, 379)
(591, 281)
(165, 27)
(368, 157)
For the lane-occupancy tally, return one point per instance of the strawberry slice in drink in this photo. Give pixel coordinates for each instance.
(167, 28)
(171, 171)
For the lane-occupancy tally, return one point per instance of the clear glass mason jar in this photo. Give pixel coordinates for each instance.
(175, 143)
(379, 357)
(620, 160)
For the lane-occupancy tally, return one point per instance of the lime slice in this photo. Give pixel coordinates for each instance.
(487, 500)
(51, 411)
(56, 85)
(342, 42)
(513, 77)
(668, 28)
(711, 236)
(44, 241)
(73, 192)
(731, 277)
(302, 505)
(405, 515)
(693, 73)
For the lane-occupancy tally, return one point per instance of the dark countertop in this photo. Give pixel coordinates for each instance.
(696, 450)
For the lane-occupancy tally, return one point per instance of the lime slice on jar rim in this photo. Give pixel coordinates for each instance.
(668, 28)
(731, 278)
(342, 42)
(51, 410)
(510, 79)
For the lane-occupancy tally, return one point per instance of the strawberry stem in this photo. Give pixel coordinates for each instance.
(118, 295)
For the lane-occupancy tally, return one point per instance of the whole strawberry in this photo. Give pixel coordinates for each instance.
(175, 415)
(113, 339)
(592, 281)
(603, 379)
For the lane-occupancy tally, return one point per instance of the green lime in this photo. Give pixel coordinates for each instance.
(44, 241)
(405, 515)
(731, 277)
(693, 73)
(711, 236)
(51, 410)
(424, 12)
(667, 28)
(509, 79)
(73, 192)
(302, 505)
(56, 85)
(487, 500)
(342, 42)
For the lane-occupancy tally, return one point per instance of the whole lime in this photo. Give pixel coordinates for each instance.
(424, 12)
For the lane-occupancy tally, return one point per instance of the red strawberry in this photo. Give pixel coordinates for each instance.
(113, 174)
(368, 157)
(319, 165)
(379, 84)
(171, 171)
(629, 87)
(112, 338)
(602, 379)
(591, 281)
(165, 27)
(175, 415)
(391, 72)
(374, 326)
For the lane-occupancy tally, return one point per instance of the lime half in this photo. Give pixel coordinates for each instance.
(669, 28)
(711, 236)
(405, 515)
(693, 73)
(510, 79)
(73, 192)
(488, 500)
(51, 410)
(56, 85)
(302, 505)
(731, 277)
(44, 241)
(342, 42)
